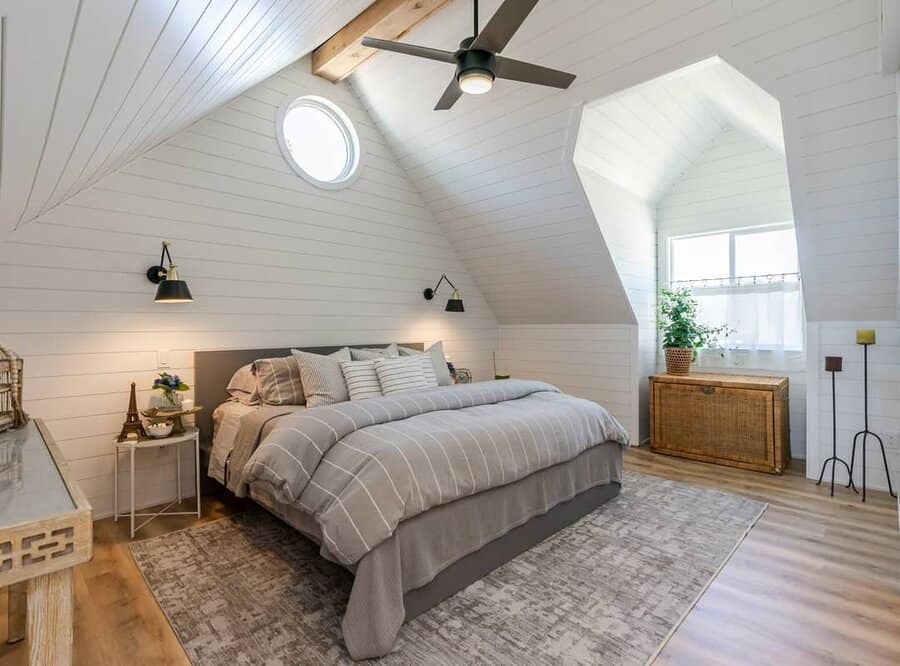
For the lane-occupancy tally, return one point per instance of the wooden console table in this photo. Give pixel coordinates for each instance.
(45, 530)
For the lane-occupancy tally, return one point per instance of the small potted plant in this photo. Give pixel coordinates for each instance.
(171, 386)
(682, 333)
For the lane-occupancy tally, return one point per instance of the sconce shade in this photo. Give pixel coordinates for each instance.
(173, 290)
(170, 289)
(454, 303)
(834, 363)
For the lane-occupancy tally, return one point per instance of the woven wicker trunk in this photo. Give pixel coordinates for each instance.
(735, 420)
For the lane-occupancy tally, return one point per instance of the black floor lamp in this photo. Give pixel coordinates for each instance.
(834, 364)
(866, 337)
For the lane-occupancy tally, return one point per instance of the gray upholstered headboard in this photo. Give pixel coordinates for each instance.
(213, 370)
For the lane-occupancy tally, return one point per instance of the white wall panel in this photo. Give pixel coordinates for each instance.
(271, 260)
(597, 362)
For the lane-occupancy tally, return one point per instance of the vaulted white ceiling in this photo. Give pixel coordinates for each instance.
(643, 139)
(90, 84)
(494, 168)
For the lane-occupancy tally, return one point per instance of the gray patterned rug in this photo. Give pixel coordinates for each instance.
(609, 589)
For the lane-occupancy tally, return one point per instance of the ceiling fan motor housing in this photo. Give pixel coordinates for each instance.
(475, 61)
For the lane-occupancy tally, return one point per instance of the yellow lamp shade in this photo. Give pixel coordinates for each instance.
(865, 336)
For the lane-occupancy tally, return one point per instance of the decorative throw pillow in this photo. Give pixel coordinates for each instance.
(366, 354)
(437, 358)
(243, 386)
(278, 381)
(362, 380)
(323, 381)
(400, 374)
(427, 368)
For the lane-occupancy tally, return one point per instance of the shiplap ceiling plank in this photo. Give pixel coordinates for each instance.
(91, 84)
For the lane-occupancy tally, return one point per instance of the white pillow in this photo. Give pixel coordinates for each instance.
(323, 381)
(436, 351)
(362, 380)
(400, 374)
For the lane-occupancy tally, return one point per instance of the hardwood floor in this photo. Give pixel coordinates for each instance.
(816, 581)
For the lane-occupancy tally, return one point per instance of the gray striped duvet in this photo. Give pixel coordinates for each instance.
(362, 467)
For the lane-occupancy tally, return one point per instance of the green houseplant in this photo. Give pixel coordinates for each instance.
(682, 333)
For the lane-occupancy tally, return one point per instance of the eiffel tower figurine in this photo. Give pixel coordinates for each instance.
(133, 424)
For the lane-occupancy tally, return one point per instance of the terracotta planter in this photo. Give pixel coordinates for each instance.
(678, 360)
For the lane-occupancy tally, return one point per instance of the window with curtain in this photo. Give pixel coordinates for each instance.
(747, 278)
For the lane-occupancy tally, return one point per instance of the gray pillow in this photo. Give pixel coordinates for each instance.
(323, 381)
(278, 381)
(441, 371)
(367, 354)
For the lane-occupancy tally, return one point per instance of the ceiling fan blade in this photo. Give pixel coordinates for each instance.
(516, 70)
(503, 25)
(451, 94)
(410, 49)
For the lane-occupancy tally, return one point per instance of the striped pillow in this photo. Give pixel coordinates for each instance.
(362, 380)
(323, 381)
(400, 374)
(427, 368)
(278, 381)
(436, 353)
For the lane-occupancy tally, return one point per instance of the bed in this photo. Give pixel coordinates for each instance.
(417, 494)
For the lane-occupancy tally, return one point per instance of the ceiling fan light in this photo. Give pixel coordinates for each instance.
(476, 81)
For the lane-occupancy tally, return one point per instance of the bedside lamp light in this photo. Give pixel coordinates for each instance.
(170, 289)
(454, 303)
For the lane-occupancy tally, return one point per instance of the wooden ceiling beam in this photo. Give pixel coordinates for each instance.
(336, 59)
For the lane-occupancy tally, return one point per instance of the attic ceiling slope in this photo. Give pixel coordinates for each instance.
(89, 85)
(494, 168)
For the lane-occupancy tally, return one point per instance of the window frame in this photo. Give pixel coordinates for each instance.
(354, 163)
(732, 233)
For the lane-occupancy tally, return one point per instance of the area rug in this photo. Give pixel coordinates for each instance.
(609, 589)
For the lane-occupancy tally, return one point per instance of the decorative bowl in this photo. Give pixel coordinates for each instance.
(160, 430)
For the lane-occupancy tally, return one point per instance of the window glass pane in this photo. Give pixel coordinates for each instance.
(765, 252)
(700, 257)
(315, 142)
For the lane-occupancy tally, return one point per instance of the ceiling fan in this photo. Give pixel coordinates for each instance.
(476, 60)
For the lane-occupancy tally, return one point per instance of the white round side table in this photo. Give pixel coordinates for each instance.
(189, 435)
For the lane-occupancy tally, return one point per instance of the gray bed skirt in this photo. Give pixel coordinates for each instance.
(437, 553)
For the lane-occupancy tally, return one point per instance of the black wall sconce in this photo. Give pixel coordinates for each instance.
(171, 289)
(454, 303)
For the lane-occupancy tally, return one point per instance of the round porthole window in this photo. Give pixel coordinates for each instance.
(319, 141)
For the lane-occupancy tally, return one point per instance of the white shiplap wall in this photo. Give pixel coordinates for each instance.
(90, 84)
(628, 224)
(271, 260)
(594, 361)
(738, 181)
(490, 167)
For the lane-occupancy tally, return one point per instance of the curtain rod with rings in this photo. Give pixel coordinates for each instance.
(722, 281)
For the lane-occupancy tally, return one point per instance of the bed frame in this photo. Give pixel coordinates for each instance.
(213, 370)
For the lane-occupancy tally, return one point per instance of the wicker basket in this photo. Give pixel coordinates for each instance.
(678, 360)
(11, 414)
